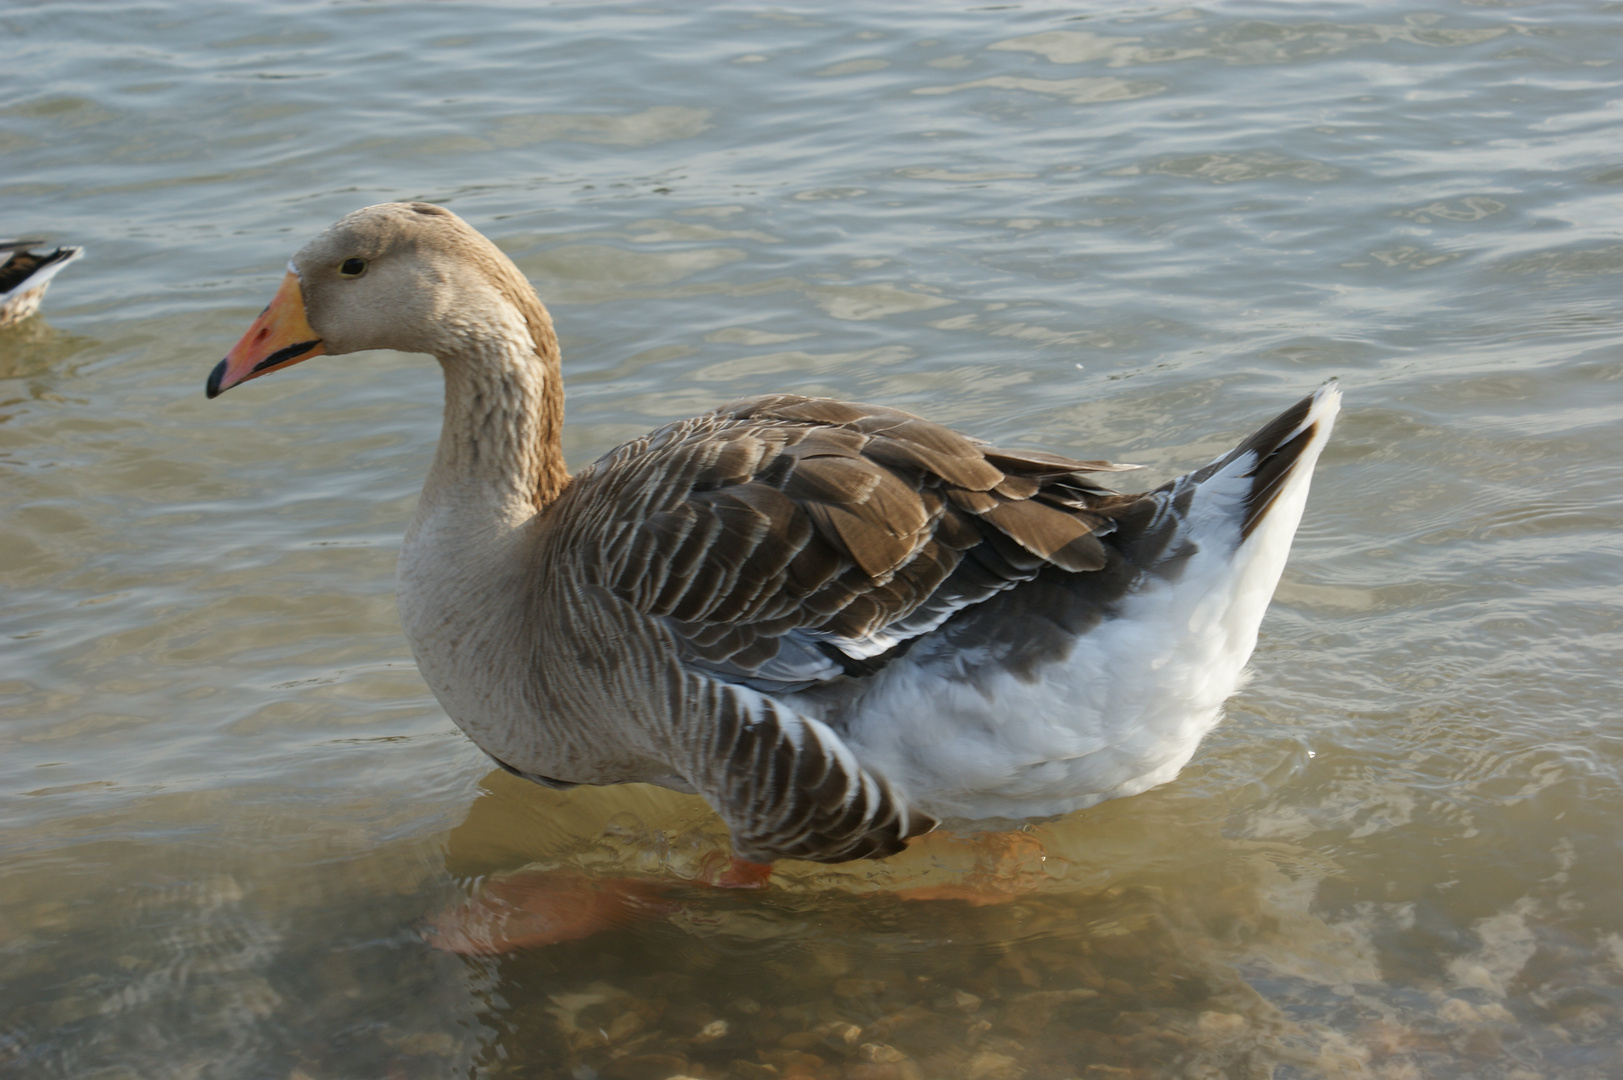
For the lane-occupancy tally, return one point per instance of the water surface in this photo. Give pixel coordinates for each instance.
(1124, 230)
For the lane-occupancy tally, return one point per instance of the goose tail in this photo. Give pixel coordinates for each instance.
(1240, 515)
(1271, 470)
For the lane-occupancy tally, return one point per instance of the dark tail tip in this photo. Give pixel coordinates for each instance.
(1278, 447)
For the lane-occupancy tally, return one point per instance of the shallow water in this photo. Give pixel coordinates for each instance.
(1134, 231)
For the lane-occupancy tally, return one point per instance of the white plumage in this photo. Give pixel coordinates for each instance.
(1128, 708)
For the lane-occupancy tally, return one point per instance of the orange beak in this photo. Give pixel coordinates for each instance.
(279, 338)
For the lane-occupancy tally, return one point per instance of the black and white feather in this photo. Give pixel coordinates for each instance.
(25, 274)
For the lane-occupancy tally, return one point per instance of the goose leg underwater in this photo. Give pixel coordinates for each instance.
(839, 623)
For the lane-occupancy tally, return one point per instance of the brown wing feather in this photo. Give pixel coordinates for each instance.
(787, 515)
(788, 542)
(788, 787)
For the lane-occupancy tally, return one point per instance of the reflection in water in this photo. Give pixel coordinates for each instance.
(33, 358)
(1134, 953)
(1122, 949)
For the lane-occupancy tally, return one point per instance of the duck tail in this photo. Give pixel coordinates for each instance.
(24, 276)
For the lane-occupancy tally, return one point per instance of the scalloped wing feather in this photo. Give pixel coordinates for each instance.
(781, 528)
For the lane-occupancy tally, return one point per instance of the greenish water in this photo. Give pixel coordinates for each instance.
(229, 804)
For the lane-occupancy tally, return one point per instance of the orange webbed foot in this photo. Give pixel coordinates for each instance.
(738, 873)
(1008, 866)
(531, 908)
(544, 907)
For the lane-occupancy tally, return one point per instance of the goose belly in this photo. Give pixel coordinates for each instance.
(967, 739)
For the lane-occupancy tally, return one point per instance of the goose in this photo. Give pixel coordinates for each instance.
(25, 274)
(840, 624)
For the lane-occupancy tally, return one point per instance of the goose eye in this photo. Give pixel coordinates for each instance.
(352, 268)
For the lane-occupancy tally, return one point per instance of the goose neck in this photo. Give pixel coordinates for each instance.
(500, 446)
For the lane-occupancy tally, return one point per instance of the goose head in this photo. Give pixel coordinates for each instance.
(411, 277)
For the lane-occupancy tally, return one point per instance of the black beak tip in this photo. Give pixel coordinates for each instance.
(213, 387)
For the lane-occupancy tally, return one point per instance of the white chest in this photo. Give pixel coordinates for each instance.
(464, 611)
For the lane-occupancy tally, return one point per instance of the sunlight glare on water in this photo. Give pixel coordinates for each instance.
(232, 809)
